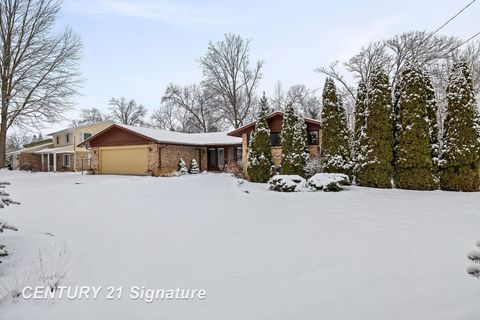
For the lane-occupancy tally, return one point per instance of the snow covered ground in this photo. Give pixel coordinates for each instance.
(357, 254)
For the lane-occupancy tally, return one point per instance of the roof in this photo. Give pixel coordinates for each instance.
(64, 149)
(238, 132)
(31, 149)
(38, 143)
(70, 129)
(172, 137)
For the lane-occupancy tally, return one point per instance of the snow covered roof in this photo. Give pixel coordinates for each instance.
(172, 137)
(210, 138)
(65, 149)
(31, 149)
(70, 129)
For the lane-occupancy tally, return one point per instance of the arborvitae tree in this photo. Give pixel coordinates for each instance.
(336, 136)
(376, 155)
(194, 169)
(414, 168)
(432, 110)
(182, 167)
(460, 154)
(360, 108)
(299, 155)
(288, 132)
(260, 154)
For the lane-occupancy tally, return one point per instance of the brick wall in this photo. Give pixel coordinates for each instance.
(94, 160)
(170, 154)
(81, 160)
(31, 160)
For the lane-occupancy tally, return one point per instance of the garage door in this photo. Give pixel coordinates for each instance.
(132, 160)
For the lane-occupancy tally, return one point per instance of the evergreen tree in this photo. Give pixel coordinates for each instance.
(260, 158)
(299, 155)
(360, 108)
(376, 154)
(194, 169)
(288, 133)
(460, 154)
(336, 137)
(182, 167)
(414, 167)
(432, 110)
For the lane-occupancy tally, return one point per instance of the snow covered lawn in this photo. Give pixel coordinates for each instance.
(357, 254)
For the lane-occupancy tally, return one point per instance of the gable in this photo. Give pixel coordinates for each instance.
(117, 136)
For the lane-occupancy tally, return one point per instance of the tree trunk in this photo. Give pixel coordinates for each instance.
(3, 140)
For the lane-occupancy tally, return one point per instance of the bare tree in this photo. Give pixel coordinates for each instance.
(38, 66)
(434, 53)
(200, 103)
(278, 100)
(17, 139)
(228, 73)
(305, 100)
(127, 111)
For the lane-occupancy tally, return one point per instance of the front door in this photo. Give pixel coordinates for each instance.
(212, 159)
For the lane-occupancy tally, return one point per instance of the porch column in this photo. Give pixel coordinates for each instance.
(43, 165)
(54, 162)
(48, 162)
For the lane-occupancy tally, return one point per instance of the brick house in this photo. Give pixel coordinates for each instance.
(63, 154)
(275, 119)
(27, 158)
(124, 149)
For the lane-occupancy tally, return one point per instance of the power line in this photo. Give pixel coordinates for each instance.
(450, 20)
(464, 42)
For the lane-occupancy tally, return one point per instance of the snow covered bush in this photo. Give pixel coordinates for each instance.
(313, 166)
(328, 182)
(287, 183)
(182, 167)
(474, 256)
(5, 200)
(294, 142)
(194, 169)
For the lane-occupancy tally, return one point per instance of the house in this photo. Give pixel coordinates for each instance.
(27, 158)
(275, 119)
(63, 154)
(124, 149)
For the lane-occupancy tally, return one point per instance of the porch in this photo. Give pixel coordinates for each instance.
(221, 157)
(57, 159)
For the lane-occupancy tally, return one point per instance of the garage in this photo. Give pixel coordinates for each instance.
(124, 160)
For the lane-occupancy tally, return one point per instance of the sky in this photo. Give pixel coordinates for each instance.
(136, 48)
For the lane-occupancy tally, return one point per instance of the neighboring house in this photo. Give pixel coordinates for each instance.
(27, 158)
(275, 120)
(124, 149)
(64, 155)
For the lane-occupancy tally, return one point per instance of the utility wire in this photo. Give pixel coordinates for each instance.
(450, 20)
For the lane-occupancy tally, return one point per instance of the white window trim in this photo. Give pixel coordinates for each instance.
(82, 135)
(66, 155)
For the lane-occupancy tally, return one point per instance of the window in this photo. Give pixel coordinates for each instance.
(313, 137)
(67, 138)
(275, 138)
(239, 156)
(57, 140)
(85, 136)
(66, 160)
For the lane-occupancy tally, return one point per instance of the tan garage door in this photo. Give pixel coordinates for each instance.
(127, 160)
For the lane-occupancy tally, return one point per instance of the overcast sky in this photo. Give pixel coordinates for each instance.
(135, 48)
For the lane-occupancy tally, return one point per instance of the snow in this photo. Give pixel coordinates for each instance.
(200, 139)
(358, 254)
(321, 181)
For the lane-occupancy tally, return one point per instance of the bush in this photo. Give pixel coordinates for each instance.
(328, 182)
(287, 183)
(182, 167)
(194, 169)
(313, 166)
